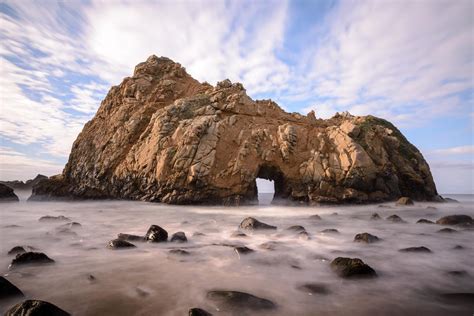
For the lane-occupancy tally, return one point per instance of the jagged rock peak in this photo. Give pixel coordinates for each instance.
(163, 136)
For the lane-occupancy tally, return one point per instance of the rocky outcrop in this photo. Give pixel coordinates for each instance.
(20, 185)
(7, 194)
(162, 136)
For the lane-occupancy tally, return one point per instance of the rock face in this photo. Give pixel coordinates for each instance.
(7, 289)
(163, 136)
(36, 308)
(7, 194)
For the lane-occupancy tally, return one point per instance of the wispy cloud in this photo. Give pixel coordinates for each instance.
(460, 150)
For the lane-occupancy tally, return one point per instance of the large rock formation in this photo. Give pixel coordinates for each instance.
(162, 136)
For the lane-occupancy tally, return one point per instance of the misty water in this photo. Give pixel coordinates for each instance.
(148, 280)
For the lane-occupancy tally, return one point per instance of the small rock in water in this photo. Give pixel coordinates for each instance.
(395, 218)
(119, 244)
(314, 288)
(352, 268)
(156, 234)
(315, 217)
(8, 289)
(366, 237)
(198, 312)
(459, 273)
(405, 201)
(70, 225)
(431, 208)
(330, 231)
(179, 237)
(235, 300)
(35, 308)
(49, 218)
(424, 221)
(179, 252)
(458, 247)
(198, 234)
(416, 249)
(251, 223)
(296, 228)
(375, 216)
(238, 234)
(334, 214)
(30, 258)
(141, 292)
(20, 249)
(91, 278)
(242, 250)
(270, 245)
(130, 237)
(455, 220)
(447, 231)
(304, 235)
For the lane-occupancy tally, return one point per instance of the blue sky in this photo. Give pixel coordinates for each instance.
(411, 62)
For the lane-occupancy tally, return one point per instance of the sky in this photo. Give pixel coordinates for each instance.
(410, 62)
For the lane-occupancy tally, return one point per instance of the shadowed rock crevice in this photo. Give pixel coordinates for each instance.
(162, 136)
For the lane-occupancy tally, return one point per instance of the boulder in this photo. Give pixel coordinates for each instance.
(303, 235)
(352, 268)
(424, 221)
(119, 244)
(7, 194)
(366, 237)
(314, 288)
(251, 224)
(49, 218)
(405, 201)
(30, 258)
(315, 217)
(395, 219)
(455, 220)
(421, 249)
(296, 229)
(35, 308)
(20, 249)
(242, 250)
(7, 289)
(156, 234)
(179, 237)
(375, 217)
(198, 312)
(235, 300)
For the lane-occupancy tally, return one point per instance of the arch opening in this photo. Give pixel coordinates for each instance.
(269, 185)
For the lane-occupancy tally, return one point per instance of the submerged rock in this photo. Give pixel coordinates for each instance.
(447, 231)
(49, 218)
(296, 228)
(30, 258)
(405, 201)
(314, 288)
(238, 234)
(375, 216)
(315, 217)
(198, 312)
(178, 237)
(7, 194)
(20, 249)
(130, 237)
(8, 289)
(416, 249)
(271, 245)
(424, 221)
(70, 225)
(242, 250)
(35, 308)
(352, 268)
(366, 237)
(156, 234)
(395, 218)
(179, 252)
(330, 231)
(455, 220)
(235, 300)
(251, 223)
(304, 235)
(119, 244)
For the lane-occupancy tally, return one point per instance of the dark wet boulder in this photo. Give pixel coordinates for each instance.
(352, 268)
(130, 237)
(119, 244)
(179, 237)
(198, 312)
(234, 300)
(8, 289)
(35, 308)
(421, 249)
(315, 217)
(49, 218)
(375, 217)
(242, 250)
(30, 258)
(20, 249)
(251, 223)
(455, 220)
(238, 234)
(179, 252)
(395, 219)
(296, 228)
(156, 234)
(7, 194)
(314, 288)
(405, 201)
(330, 231)
(424, 221)
(447, 231)
(366, 237)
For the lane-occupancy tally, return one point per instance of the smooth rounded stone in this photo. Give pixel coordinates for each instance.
(366, 237)
(314, 288)
(304, 235)
(238, 234)
(179, 252)
(395, 219)
(20, 249)
(7, 194)
(447, 231)
(251, 223)
(405, 201)
(240, 301)
(130, 237)
(458, 273)
(198, 312)
(375, 217)
(30, 258)
(352, 268)
(242, 250)
(8, 289)
(156, 234)
(424, 221)
(431, 208)
(315, 217)
(329, 231)
(35, 308)
(422, 249)
(49, 218)
(198, 234)
(296, 228)
(179, 237)
(119, 244)
(455, 220)
(271, 245)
